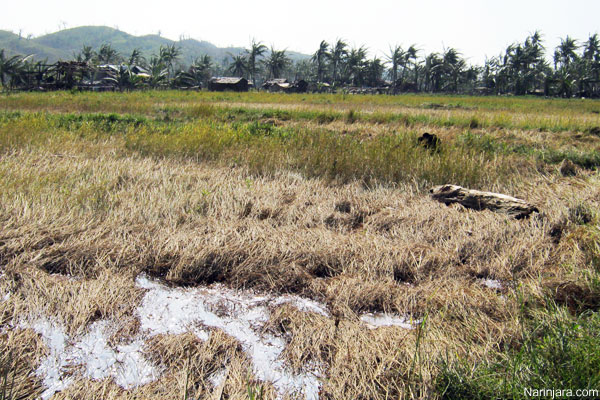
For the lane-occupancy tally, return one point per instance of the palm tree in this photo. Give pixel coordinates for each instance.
(86, 54)
(158, 72)
(303, 69)
(8, 67)
(136, 58)
(591, 50)
(565, 52)
(238, 65)
(592, 56)
(453, 66)
(434, 72)
(276, 63)
(168, 55)
(566, 83)
(108, 55)
(200, 69)
(374, 70)
(320, 58)
(356, 65)
(338, 56)
(257, 49)
(411, 54)
(396, 58)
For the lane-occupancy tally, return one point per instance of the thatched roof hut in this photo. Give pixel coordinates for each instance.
(220, 84)
(283, 85)
(276, 85)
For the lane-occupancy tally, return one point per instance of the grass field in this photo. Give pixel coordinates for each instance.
(305, 212)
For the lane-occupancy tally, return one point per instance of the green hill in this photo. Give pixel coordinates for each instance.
(64, 44)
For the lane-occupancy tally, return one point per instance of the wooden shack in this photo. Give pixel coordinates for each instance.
(276, 85)
(221, 84)
(300, 86)
(283, 85)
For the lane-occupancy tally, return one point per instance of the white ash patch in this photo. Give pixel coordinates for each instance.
(91, 356)
(164, 310)
(238, 314)
(218, 377)
(302, 304)
(52, 367)
(377, 320)
(4, 297)
(492, 284)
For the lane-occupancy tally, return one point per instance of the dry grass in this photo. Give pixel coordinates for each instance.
(80, 219)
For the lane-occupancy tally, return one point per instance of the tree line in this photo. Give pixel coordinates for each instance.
(522, 68)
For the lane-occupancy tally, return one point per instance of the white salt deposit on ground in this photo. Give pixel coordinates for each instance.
(240, 315)
(164, 310)
(5, 296)
(377, 320)
(492, 284)
(92, 355)
(218, 377)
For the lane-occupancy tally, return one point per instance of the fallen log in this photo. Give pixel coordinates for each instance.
(478, 200)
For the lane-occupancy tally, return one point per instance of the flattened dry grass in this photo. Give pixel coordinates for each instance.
(88, 206)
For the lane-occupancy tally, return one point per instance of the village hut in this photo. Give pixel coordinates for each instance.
(276, 85)
(283, 85)
(300, 86)
(221, 84)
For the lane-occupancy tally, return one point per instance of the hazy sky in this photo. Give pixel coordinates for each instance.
(476, 28)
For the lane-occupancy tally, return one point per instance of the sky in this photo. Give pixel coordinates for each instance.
(476, 28)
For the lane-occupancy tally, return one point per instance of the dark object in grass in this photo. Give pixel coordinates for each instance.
(343, 207)
(581, 214)
(556, 232)
(568, 168)
(478, 200)
(430, 141)
(576, 296)
(594, 130)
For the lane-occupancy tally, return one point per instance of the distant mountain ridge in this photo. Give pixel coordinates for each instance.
(62, 45)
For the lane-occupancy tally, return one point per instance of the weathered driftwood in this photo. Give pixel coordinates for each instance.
(478, 200)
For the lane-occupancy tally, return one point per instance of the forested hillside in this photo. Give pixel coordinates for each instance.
(64, 44)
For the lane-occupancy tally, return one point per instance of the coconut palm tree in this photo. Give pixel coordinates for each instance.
(411, 54)
(396, 58)
(434, 72)
(374, 71)
(238, 66)
(168, 54)
(565, 52)
(136, 58)
(453, 64)
(320, 59)
(591, 58)
(200, 69)
(304, 69)
(356, 65)
(257, 50)
(124, 78)
(276, 63)
(339, 53)
(9, 66)
(108, 55)
(158, 72)
(87, 54)
(591, 50)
